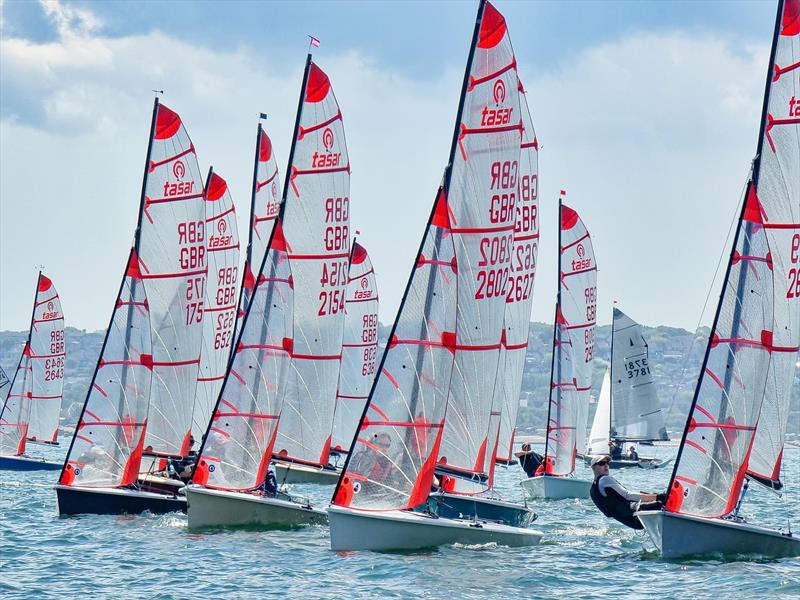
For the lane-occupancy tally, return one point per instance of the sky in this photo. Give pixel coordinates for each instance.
(647, 113)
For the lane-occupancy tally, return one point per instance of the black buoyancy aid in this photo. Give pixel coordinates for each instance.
(614, 506)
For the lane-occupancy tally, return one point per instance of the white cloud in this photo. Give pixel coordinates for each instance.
(651, 135)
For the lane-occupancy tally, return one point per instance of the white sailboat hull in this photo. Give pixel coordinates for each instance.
(297, 473)
(220, 508)
(555, 488)
(404, 530)
(677, 535)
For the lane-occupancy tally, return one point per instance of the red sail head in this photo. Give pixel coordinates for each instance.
(318, 85)
(493, 28)
(167, 123)
(790, 25)
(264, 147)
(215, 188)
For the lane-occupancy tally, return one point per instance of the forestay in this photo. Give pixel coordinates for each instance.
(778, 190)
(265, 203)
(17, 408)
(171, 246)
(47, 359)
(482, 186)
(573, 347)
(519, 295)
(106, 450)
(220, 308)
(316, 223)
(239, 440)
(756, 326)
(635, 411)
(359, 347)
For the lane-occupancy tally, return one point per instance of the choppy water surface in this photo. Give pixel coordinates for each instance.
(583, 555)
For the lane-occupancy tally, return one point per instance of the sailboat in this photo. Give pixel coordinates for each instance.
(318, 238)
(464, 493)
(33, 403)
(573, 354)
(140, 423)
(445, 343)
(628, 408)
(734, 434)
(229, 486)
(359, 348)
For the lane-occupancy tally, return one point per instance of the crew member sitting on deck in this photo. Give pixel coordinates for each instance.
(632, 454)
(616, 450)
(614, 501)
(183, 468)
(529, 460)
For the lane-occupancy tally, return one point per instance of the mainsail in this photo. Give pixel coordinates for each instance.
(106, 450)
(635, 411)
(573, 341)
(316, 225)
(481, 187)
(598, 436)
(452, 312)
(265, 203)
(359, 347)
(171, 249)
(220, 308)
(748, 367)
(33, 403)
(519, 295)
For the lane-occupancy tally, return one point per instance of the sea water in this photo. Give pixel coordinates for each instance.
(582, 554)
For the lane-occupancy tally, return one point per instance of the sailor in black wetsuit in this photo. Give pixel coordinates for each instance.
(529, 460)
(614, 501)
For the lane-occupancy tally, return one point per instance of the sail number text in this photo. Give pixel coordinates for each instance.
(369, 335)
(227, 284)
(637, 368)
(794, 272)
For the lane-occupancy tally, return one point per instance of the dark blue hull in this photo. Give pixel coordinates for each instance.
(474, 507)
(26, 463)
(114, 501)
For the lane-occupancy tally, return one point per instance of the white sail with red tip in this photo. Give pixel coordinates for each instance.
(316, 225)
(519, 295)
(444, 347)
(33, 403)
(573, 342)
(221, 305)
(237, 447)
(482, 188)
(171, 246)
(106, 450)
(47, 358)
(264, 207)
(359, 347)
(739, 414)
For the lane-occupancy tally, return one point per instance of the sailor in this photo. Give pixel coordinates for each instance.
(529, 460)
(183, 468)
(616, 450)
(632, 454)
(614, 501)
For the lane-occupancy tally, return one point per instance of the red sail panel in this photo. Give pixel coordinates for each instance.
(392, 457)
(571, 379)
(482, 190)
(265, 205)
(47, 358)
(238, 444)
(316, 223)
(172, 249)
(777, 195)
(107, 446)
(220, 308)
(359, 348)
(519, 294)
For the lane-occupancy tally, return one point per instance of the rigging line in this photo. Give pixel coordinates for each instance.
(695, 337)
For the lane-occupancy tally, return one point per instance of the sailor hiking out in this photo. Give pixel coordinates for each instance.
(614, 501)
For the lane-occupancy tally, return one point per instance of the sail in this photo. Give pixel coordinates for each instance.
(4, 380)
(106, 449)
(316, 224)
(238, 443)
(359, 347)
(171, 248)
(635, 411)
(778, 193)
(444, 347)
(745, 369)
(481, 187)
(519, 295)
(47, 357)
(17, 408)
(220, 308)
(392, 458)
(264, 206)
(573, 347)
(598, 436)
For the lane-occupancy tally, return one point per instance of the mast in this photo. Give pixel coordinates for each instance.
(611, 381)
(249, 255)
(555, 377)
